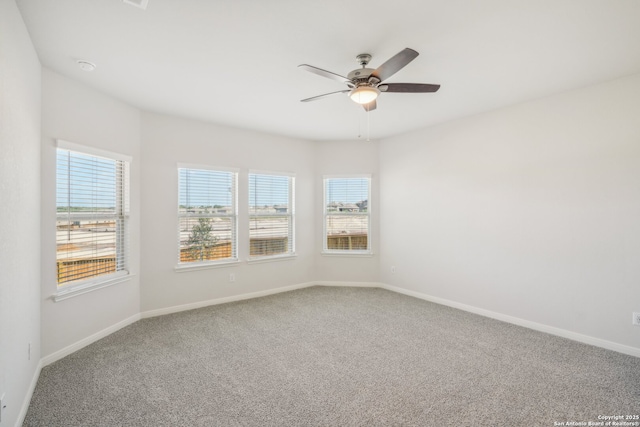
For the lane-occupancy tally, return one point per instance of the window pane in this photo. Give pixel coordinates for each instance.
(270, 215)
(269, 235)
(207, 217)
(268, 194)
(206, 238)
(91, 224)
(85, 183)
(347, 194)
(347, 221)
(85, 248)
(347, 232)
(205, 189)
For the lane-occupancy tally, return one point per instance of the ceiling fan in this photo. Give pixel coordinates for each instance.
(365, 84)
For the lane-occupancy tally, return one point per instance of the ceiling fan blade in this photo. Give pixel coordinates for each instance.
(394, 64)
(408, 87)
(324, 73)
(370, 106)
(313, 98)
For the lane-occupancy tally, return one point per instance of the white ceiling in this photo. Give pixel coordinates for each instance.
(235, 62)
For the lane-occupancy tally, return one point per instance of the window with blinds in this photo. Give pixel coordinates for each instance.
(271, 215)
(207, 215)
(92, 204)
(347, 221)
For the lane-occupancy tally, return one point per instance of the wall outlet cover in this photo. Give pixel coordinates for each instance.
(3, 405)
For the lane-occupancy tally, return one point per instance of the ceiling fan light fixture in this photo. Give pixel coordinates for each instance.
(364, 94)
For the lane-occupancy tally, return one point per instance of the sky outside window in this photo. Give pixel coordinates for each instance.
(201, 187)
(268, 190)
(85, 181)
(347, 190)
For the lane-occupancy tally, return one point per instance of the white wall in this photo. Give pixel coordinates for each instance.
(344, 158)
(531, 211)
(76, 113)
(168, 141)
(19, 211)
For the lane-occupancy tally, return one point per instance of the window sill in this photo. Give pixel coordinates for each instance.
(194, 266)
(354, 254)
(90, 286)
(271, 258)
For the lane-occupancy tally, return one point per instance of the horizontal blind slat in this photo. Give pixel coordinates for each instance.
(207, 215)
(92, 203)
(346, 205)
(271, 221)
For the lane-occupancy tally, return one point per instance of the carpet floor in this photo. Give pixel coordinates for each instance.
(331, 356)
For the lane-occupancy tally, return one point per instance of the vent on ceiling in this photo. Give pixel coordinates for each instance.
(142, 4)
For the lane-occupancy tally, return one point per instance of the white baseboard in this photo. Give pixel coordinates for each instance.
(27, 399)
(351, 284)
(200, 304)
(49, 359)
(598, 342)
(250, 295)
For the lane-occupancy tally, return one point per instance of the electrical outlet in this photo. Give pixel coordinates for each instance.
(232, 277)
(393, 269)
(636, 318)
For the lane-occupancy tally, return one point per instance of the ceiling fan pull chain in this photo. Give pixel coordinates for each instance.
(368, 126)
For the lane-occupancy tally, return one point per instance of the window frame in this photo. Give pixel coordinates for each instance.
(121, 216)
(207, 264)
(291, 214)
(346, 252)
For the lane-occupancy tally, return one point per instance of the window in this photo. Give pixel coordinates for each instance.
(207, 215)
(347, 222)
(271, 215)
(92, 218)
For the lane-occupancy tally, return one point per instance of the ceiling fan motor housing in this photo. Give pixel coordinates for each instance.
(360, 76)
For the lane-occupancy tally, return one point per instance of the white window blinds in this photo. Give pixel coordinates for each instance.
(271, 215)
(92, 203)
(347, 224)
(207, 214)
